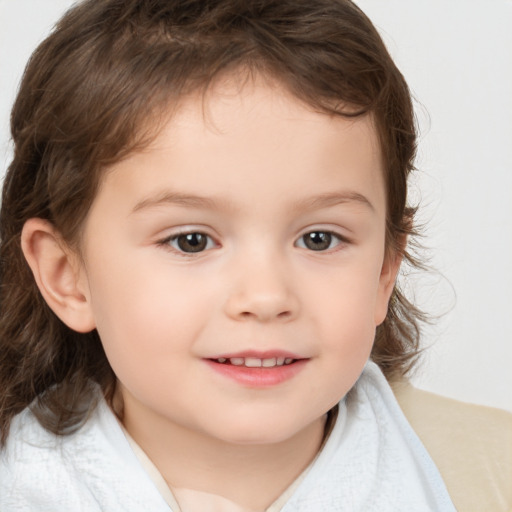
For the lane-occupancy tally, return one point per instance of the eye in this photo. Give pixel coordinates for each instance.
(190, 242)
(319, 240)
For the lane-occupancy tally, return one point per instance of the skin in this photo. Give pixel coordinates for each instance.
(254, 173)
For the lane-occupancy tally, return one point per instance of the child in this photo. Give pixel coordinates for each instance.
(201, 229)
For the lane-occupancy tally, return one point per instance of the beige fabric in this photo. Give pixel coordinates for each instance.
(470, 444)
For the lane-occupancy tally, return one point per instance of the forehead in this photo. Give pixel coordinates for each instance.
(254, 135)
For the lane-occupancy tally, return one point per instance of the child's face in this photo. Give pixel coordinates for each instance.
(253, 231)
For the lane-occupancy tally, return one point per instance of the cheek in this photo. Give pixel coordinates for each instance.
(346, 299)
(349, 332)
(345, 305)
(144, 317)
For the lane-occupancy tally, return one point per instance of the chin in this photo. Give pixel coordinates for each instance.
(253, 433)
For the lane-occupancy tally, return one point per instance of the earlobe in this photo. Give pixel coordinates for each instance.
(58, 274)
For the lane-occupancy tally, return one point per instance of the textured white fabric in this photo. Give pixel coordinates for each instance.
(91, 471)
(372, 461)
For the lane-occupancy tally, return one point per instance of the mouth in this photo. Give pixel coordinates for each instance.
(255, 362)
(255, 370)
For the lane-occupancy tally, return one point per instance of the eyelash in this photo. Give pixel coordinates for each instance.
(209, 243)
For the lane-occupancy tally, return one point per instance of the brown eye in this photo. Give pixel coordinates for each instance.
(190, 242)
(319, 240)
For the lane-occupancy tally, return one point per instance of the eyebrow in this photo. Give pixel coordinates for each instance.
(320, 201)
(333, 199)
(175, 198)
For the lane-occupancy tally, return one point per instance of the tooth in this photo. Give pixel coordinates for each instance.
(288, 360)
(221, 360)
(269, 363)
(252, 362)
(280, 361)
(237, 361)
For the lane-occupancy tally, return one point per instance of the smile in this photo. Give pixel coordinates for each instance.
(251, 371)
(254, 362)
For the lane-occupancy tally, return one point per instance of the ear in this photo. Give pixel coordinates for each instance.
(387, 279)
(59, 274)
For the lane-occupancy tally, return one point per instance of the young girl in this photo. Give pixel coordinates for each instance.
(200, 234)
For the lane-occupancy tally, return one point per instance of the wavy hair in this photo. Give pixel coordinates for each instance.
(89, 96)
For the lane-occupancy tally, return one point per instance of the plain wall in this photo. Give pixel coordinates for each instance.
(457, 57)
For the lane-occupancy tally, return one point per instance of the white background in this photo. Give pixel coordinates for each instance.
(457, 58)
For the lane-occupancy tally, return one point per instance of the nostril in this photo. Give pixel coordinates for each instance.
(261, 306)
(283, 315)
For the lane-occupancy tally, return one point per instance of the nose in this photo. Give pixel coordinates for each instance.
(262, 291)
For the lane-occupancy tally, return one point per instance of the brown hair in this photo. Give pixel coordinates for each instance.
(108, 70)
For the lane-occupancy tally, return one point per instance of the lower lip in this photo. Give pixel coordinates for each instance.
(258, 377)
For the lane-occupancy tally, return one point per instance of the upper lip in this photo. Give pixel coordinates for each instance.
(258, 354)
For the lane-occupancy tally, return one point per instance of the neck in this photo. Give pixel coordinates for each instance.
(252, 476)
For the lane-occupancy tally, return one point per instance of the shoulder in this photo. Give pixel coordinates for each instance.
(36, 466)
(90, 470)
(470, 444)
